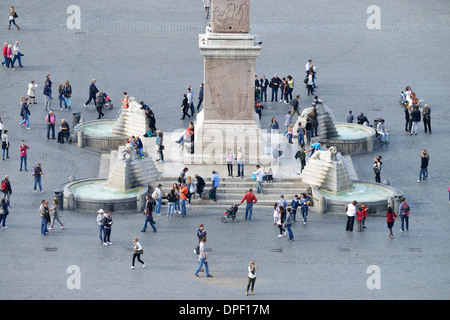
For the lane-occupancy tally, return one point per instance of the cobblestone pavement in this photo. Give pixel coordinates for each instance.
(151, 51)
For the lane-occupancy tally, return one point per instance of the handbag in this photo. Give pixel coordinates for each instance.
(141, 251)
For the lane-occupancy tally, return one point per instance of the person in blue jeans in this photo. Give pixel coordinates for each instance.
(37, 173)
(203, 260)
(288, 224)
(148, 215)
(250, 198)
(404, 214)
(304, 207)
(159, 196)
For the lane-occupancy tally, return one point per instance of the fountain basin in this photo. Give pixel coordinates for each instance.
(352, 138)
(98, 135)
(376, 196)
(93, 194)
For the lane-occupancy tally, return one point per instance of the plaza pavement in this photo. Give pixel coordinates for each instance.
(150, 49)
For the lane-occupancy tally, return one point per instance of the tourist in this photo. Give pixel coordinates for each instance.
(148, 214)
(362, 119)
(365, 211)
(107, 222)
(426, 115)
(64, 131)
(25, 113)
(359, 218)
(404, 214)
(290, 133)
(188, 135)
(17, 54)
(203, 260)
(200, 96)
(416, 117)
(350, 210)
(171, 200)
(5, 144)
(61, 97)
(295, 203)
(12, 18)
(301, 156)
(381, 129)
(9, 60)
(240, 160)
(263, 84)
(304, 203)
(300, 134)
(290, 83)
(349, 117)
(250, 199)
(207, 5)
(191, 187)
(5, 55)
(314, 121)
(314, 147)
(185, 107)
(215, 184)
(229, 158)
(251, 277)
(310, 83)
(295, 105)
(124, 100)
(4, 211)
(259, 174)
(275, 82)
(281, 220)
(390, 218)
(160, 146)
(2, 125)
(423, 173)
(377, 170)
(288, 224)
(32, 91)
(282, 87)
(275, 213)
(200, 185)
(101, 225)
(137, 251)
(99, 103)
(6, 189)
(183, 198)
(23, 154)
(282, 202)
(201, 233)
(54, 211)
(268, 176)
(37, 174)
(47, 93)
(50, 119)
(158, 194)
(190, 97)
(139, 146)
(151, 121)
(68, 95)
(308, 131)
(277, 151)
(308, 66)
(92, 92)
(274, 127)
(176, 187)
(287, 122)
(408, 121)
(45, 217)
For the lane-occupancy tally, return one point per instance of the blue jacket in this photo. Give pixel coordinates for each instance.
(47, 90)
(215, 180)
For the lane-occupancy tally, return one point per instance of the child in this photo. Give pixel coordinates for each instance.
(359, 218)
(365, 211)
(270, 175)
(390, 218)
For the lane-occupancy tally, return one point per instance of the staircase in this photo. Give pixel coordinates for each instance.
(131, 121)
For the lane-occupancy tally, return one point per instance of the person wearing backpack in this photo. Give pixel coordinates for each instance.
(6, 188)
(404, 210)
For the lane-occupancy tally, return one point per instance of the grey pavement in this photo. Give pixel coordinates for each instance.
(150, 49)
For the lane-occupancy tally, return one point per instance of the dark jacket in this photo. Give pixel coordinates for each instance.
(93, 89)
(415, 115)
(47, 90)
(8, 186)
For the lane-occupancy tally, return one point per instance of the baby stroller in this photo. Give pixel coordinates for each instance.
(230, 213)
(108, 103)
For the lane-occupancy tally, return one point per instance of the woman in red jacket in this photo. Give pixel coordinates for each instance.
(390, 218)
(359, 218)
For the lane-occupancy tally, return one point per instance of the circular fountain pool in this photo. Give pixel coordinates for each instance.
(352, 138)
(99, 135)
(94, 194)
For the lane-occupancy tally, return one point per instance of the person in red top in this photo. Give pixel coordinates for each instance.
(250, 198)
(359, 218)
(5, 54)
(390, 218)
(23, 154)
(183, 196)
(365, 211)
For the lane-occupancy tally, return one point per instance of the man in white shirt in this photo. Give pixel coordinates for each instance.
(17, 54)
(308, 66)
(259, 173)
(351, 213)
(381, 129)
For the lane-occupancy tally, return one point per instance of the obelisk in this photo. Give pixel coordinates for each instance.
(227, 121)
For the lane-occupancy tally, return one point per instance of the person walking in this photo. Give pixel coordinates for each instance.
(404, 215)
(137, 251)
(259, 175)
(423, 173)
(426, 116)
(50, 119)
(6, 189)
(281, 220)
(250, 199)
(185, 107)
(351, 213)
(301, 156)
(54, 214)
(4, 211)
(304, 203)
(200, 95)
(12, 18)
(203, 259)
(215, 184)
(200, 185)
(251, 277)
(148, 215)
(45, 217)
(37, 174)
(288, 223)
(25, 113)
(301, 131)
(5, 144)
(107, 222)
(390, 219)
(17, 54)
(92, 92)
(101, 224)
(99, 102)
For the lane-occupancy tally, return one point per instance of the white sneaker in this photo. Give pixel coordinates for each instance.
(105, 244)
(85, 105)
(279, 236)
(109, 242)
(143, 266)
(132, 267)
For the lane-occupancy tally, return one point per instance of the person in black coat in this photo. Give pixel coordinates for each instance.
(200, 185)
(185, 107)
(92, 93)
(99, 103)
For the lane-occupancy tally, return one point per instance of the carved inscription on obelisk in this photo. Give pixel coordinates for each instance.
(230, 16)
